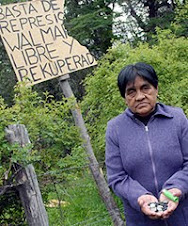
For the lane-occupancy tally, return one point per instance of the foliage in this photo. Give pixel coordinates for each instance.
(144, 16)
(7, 77)
(51, 131)
(11, 211)
(90, 22)
(95, 23)
(55, 140)
(102, 101)
(180, 25)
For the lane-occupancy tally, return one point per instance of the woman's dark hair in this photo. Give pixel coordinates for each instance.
(130, 72)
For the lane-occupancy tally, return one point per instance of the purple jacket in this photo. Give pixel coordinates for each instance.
(145, 159)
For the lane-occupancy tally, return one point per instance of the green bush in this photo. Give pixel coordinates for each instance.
(11, 211)
(55, 142)
(51, 131)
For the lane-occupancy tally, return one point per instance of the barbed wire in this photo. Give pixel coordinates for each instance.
(71, 168)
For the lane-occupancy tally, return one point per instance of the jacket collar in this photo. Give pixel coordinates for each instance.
(162, 110)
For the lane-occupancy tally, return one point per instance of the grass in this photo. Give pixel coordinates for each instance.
(81, 205)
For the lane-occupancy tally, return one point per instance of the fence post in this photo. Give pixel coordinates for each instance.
(93, 163)
(26, 179)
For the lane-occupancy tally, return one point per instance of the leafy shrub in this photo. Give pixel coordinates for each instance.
(51, 131)
(11, 211)
(55, 141)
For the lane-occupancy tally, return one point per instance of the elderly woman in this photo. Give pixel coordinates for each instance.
(147, 151)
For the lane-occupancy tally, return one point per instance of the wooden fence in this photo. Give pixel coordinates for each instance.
(26, 181)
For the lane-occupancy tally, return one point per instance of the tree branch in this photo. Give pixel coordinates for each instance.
(7, 188)
(134, 14)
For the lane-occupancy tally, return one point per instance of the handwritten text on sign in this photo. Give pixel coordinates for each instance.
(38, 44)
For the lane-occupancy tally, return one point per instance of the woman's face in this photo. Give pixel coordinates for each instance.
(141, 96)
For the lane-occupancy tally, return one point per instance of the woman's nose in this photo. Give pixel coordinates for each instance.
(140, 96)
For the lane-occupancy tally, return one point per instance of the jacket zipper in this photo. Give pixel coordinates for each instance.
(152, 160)
(153, 165)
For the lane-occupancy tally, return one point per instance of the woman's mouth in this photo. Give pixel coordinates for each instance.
(140, 105)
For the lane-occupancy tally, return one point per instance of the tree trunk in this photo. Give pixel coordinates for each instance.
(26, 179)
(93, 164)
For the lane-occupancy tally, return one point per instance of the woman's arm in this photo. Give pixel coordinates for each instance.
(177, 184)
(179, 179)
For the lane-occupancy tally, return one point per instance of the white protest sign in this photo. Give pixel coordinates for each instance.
(37, 43)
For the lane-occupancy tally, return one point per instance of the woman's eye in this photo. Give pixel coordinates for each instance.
(145, 88)
(131, 92)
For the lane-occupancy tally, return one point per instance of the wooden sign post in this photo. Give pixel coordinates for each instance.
(93, 164)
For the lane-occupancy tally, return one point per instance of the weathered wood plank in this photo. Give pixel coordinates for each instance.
(26, 179)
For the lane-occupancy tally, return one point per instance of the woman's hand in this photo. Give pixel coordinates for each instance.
(144, 201)
(171, 205)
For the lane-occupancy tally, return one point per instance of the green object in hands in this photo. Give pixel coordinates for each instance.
(170, 196)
